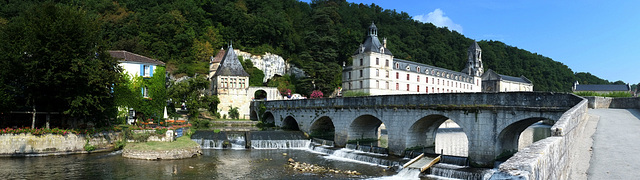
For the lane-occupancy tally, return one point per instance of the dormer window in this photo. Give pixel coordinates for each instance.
(397, 66)
(382, 50)
(418, 69)
(408, 68)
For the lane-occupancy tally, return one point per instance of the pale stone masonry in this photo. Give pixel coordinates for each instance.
(374, 70)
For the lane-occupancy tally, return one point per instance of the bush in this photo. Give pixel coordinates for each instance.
(233, 112)
(610, 94)
(201, 124)
(354, 94)
(120, 144)
(140, 137)
(89, 147)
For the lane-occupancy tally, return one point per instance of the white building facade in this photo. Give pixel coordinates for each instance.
(375, 71)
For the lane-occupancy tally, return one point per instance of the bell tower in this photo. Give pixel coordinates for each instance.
(474, 60)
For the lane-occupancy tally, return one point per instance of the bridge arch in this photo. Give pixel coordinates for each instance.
(290, 123)
(323, 128)
(268, 118)
(509, 136)
(364, 127)
(422, 134)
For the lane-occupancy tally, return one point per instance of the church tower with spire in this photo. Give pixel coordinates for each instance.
(474, 61)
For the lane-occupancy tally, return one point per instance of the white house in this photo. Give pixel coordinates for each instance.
(375, 71)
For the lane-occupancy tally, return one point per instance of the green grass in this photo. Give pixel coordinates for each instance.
(232, 120)
(354, 94)
(180, 143)
(611, 94)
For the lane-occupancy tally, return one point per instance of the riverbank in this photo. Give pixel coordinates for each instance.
(182, 148)
(26, 144)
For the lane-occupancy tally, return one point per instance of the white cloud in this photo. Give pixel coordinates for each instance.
(437, 18)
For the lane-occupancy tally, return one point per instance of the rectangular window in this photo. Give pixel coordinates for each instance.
(361, 85)
(145, 92)
(386, 63)
(407, 76)
(377, 61)
(146, 69)
(397, 86)
(387, 76)
(349, 75)
(426, 89)
(360, 73)
(418, 88)
(397, 75)
(377, 72)
(361, 62)
(427, 79)
(407, 87)
(377, 84)
(418, 78)
(350, 85)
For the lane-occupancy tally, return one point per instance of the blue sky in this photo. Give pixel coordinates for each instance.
(600, 37)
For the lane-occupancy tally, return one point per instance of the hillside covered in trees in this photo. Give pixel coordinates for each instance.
(317, 37)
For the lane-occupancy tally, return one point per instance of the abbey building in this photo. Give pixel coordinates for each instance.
(375, 71)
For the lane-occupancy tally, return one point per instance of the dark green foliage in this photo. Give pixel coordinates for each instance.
(200, 124)
(233, 112)
(588, 78)
(255, 75)
(189, 91)
(54, 60)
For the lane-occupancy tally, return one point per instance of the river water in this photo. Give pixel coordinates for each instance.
(234, 163)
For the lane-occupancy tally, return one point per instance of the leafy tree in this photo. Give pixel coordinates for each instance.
(191, 92)
(58, 63)
(127, 94)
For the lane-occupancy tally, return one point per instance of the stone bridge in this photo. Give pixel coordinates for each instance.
(492, 122)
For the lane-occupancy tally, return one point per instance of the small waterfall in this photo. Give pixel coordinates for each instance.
(364, 148)
(356, 156)
(455, 160)
(237, 141)
(459, 172)
(407, 173)
(280, 144)
(209, 144)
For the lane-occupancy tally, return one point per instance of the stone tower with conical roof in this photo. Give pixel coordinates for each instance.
(474, 61)
(231, 84)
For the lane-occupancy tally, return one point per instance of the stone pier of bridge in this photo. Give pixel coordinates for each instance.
(492, 122)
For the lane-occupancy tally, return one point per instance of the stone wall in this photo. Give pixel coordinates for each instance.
(548, 158)
(167, 154)
(597, 102)
(50, 144)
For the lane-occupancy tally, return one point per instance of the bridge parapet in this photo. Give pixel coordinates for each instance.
(539, 100)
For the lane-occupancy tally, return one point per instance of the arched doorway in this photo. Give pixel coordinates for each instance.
(289, 123)
(260, 95)
(323, 128)
(437, 134)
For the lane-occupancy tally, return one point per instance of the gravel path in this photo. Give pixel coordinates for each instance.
(616, 145)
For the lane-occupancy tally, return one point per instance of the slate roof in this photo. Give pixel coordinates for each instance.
(431, 70)
(602, 87)
(126, 56)
(372, 43)
(230, 65)
(474, 46)
(492, 75)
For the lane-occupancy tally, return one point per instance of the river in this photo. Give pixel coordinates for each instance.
(222, 163)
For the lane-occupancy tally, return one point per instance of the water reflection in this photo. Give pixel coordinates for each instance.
(213, 164)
